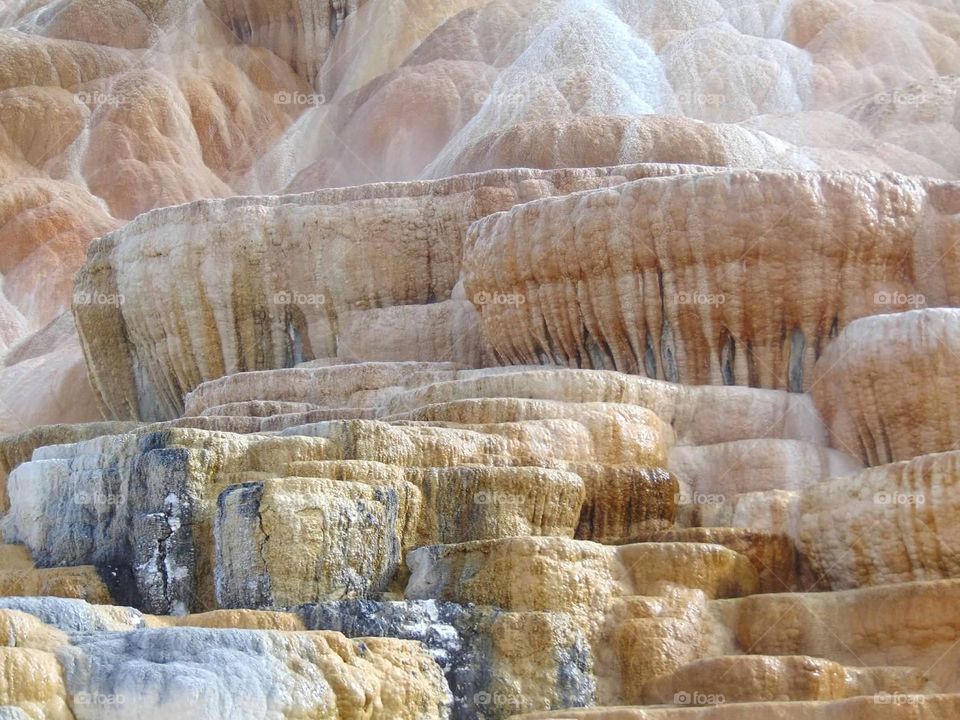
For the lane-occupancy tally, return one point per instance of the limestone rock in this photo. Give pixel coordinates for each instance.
(20, 578)
(150, 516)
(645, 276)
(97, 668)
(322, 674)
(753, 678)
(478, 359)
(860, 381)
(744, 466)
(45, 382)
(773, 556)
(33, 682)
(69, 582)
(612, 140)
(299, 33)
(852, 709)
(887, 524)
(909, 624)
(496, 663)
(571, 576)
(339, 253)
(17, 449)
(698, 415)
(283, 542)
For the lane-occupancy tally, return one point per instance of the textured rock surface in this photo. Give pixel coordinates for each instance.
(638, 277)
(328, 264)
(152, 514)
(479, 359)
(555, 574)
(17, 449)
(103, 670)
(861, 394)
(224, 672)
(887, 524)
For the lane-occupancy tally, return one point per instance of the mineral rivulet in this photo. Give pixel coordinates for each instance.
(479, 359)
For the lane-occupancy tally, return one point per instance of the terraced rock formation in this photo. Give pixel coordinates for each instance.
(479, 359)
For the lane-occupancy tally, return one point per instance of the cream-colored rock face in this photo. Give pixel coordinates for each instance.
(572, 576)
(860, 393)
(700, 279)
(478, 359)
(637, 303)
(378, 489)
(280, 545)
(862, 708)
(887, 524)
(17, 449)
(909, 624)
(102, 674)
(111, 108)
(686, 416)
(744, 466)
(607, 521)
(751, 677)
(346, 257)
(33, 681)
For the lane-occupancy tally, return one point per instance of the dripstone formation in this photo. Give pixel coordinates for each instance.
(479, 359)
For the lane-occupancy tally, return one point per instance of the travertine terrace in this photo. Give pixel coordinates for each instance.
(479, 359)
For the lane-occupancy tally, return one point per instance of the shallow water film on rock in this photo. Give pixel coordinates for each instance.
(480, 359)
